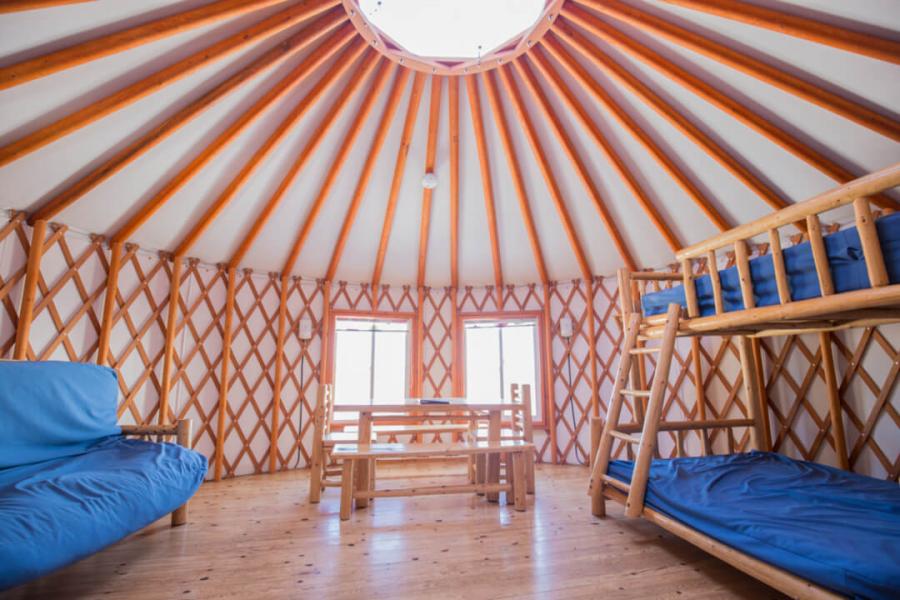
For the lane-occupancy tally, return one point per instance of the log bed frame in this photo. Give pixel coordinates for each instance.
(879, 304)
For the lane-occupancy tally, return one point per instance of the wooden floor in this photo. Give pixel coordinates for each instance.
(256, 537)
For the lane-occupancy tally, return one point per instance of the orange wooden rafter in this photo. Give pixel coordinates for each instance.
(714, 96)
(434, 115)
(809, 29)
(144, 33)
(453, 114)
(409, 125)
(9, 6)
(154, 82)
(748, 65)
(368, 63)
(298, 41)
(486, 182)
(512, 159)
(575, 158)
(512, 90)
(366, 173)
(315, 59)
(680, 121)
(616, 161)
(385, 69)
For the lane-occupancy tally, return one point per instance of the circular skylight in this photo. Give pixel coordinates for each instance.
(452, 28)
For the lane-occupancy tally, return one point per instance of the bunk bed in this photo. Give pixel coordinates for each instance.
(808, 530)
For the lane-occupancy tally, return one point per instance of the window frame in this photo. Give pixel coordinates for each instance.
(393, 317)
(541, 369)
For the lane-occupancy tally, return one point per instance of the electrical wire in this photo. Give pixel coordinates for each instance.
(583, 459)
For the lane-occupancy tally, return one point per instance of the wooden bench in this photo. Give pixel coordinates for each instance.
(416, 429)
(353, 455)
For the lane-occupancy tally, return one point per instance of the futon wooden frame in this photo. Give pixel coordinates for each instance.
(181, 431)
(879, 304)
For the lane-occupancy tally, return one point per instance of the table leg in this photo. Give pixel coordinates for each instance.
(362, 469)
(519, 482)
(493, 460)
(347, 488)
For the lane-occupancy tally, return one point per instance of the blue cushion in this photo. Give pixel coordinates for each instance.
(59, 511)
(838, 529)
(54, 409)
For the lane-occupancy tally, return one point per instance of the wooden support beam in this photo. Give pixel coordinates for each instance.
(224, 377)
(752, 392)
(365, 173)
(487, 185)
(755, 346)
(409, 125)
(311, 62)
(29, 289)
(512, 159)
(419, 348)
(453, 115)
(834, 401)
(385, 70)
(434, 115)
(820, 255)
(279, 372)
(736, 59)
(733, 164)
(781, 278)
(109, 303)
(119, 41)
(169, 344)
(543, 160)
(592, 348)
(341, 66)
(700, 393)
(713, 268)
(536, 91)
(568, 62)
(127, 155)
(11, 6)
(716, 97)
(871, 246)
(742, 261)
(549, 391)
(157, 80)
(813, 30)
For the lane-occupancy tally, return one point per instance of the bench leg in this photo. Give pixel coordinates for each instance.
(480, 468)
(182, 438)
(529, 471)
(179, 515)
(372, 477)
(519, 483)
(347, 489)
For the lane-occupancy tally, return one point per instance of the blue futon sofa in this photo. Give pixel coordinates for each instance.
(70, 483)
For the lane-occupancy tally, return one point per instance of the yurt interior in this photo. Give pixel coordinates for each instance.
(449, 299)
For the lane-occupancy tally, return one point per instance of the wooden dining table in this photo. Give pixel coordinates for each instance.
(413, 410)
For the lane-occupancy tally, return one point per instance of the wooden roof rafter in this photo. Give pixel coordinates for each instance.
(453, 122)
(315, 94)
(409, 125)
(616, 161)
(434, 117)
(831, 101)
(521, 65)
(543, 160)
(132, 151)
(168, 75)
(365, 175)
(9, 6)
(310, 63)
(487, 184)
(813, 30)
(119, 41)
(731, 162)
(711, 94)
(385, 70)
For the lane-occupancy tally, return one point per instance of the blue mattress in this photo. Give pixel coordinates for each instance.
(848, 271)
(61, 510)
(837, 529)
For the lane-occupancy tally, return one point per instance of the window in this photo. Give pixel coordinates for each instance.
(498, 353)
(370, 361)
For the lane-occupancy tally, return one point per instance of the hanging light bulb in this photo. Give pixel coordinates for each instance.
(429, 181)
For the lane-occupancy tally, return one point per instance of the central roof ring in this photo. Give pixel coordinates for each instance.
(504, 53)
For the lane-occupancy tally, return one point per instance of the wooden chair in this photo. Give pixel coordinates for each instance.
(324, 440)
(521, 429)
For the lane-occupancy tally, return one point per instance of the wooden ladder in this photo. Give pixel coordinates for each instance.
(646, 441)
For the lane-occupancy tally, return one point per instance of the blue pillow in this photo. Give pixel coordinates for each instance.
(54, 409)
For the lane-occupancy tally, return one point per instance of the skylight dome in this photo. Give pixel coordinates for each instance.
(452, 36)
(452, 28)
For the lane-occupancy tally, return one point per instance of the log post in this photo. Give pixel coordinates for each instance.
(752, 393)
(279, 373)
(169, 348)
(834, 400)
(29, 293)
(223, 381)
(109, 302)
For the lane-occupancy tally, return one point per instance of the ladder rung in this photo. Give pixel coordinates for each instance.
(615, 483)
(625, 437)
(637, 393)
(645, 350)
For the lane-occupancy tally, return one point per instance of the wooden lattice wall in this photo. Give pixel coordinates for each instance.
(68, 314)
